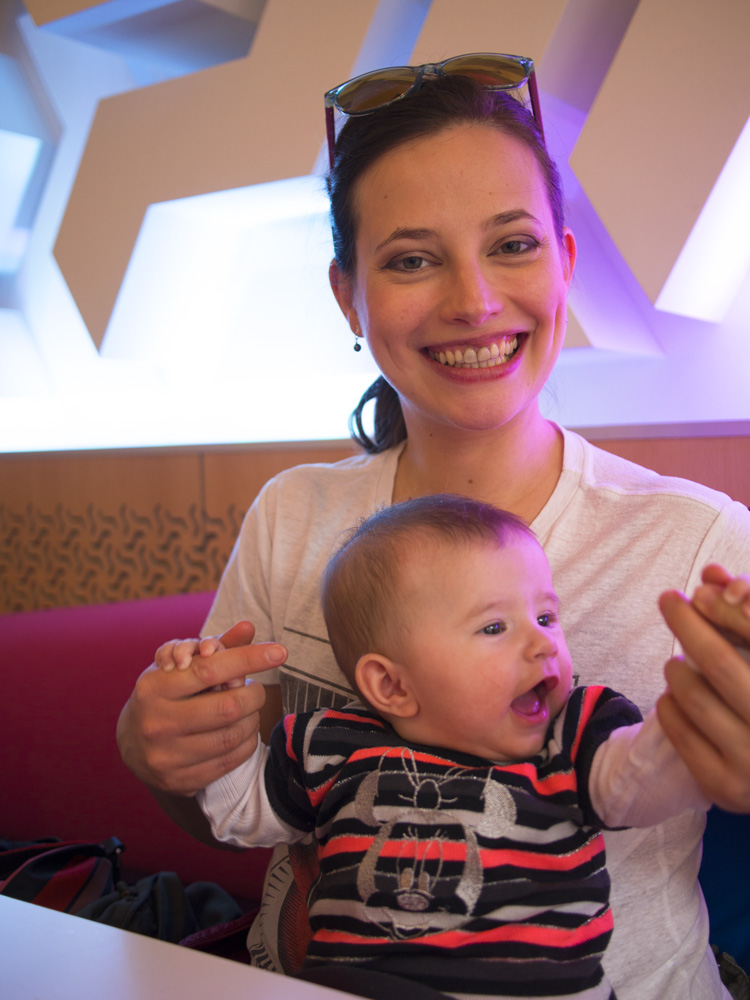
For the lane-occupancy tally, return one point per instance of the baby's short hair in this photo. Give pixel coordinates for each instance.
(360, 582)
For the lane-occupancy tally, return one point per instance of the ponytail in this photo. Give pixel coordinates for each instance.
(390, 428)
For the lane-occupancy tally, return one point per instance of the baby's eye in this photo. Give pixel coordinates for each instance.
(494, 629)
(547, 619)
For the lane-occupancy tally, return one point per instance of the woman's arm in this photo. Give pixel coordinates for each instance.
(705, 711)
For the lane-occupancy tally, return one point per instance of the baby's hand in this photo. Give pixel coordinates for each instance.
(725, 601)
(737, 595)
(179, 654)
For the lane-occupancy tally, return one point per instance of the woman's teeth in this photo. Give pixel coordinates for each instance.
(477, 357)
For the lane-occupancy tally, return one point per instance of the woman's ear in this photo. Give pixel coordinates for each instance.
(570, 253)
(343, 290)
(382, 683)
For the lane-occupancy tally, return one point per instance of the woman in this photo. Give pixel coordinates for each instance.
(452, 260)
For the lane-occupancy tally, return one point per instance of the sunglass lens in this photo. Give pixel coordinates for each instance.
(490, 70)
(374, 90)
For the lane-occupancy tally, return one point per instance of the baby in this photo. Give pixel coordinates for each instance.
(457, 807)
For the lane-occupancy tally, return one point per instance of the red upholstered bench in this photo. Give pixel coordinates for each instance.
(64, 677)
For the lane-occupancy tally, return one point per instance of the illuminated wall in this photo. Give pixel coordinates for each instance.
(163, 235)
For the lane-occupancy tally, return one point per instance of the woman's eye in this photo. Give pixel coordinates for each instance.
(514, 248)
(411, 263)
(494, 629)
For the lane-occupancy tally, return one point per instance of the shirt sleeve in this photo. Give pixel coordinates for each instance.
(638, 779)
(590, 716)
(726, 542)
(239, 810)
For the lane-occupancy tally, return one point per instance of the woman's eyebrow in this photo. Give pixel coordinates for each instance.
(406, 234)
(514, 215)
(501, 219)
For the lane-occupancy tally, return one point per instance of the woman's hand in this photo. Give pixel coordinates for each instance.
(181, 730)
(706, 709)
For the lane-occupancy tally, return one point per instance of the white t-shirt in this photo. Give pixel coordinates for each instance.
(616, 536)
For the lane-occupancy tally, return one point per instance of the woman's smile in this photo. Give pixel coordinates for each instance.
(498, 352)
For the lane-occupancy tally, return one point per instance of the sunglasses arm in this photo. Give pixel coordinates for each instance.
(331, 133)
(535, 106)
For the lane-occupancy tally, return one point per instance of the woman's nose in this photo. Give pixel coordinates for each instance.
(470, 297)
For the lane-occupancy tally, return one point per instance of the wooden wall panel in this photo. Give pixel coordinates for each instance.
(236, 476)
(720, 462)
(90, 527)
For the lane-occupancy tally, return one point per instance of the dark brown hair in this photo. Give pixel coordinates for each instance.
(437, 105)
(360, 587)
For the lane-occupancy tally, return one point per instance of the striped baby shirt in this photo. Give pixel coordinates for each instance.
(478, 878)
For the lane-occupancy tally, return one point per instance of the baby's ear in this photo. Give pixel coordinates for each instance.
(383, 683)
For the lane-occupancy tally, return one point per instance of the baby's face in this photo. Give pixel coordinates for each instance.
(483, 648)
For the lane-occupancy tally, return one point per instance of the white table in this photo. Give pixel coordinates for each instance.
(46, 955)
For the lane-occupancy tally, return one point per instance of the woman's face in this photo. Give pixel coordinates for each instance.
(460, 281)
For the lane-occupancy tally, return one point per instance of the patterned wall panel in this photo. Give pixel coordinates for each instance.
(96, 528)
(56, 556)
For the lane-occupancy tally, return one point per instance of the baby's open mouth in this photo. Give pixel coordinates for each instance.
(487, 356)
(534, 702)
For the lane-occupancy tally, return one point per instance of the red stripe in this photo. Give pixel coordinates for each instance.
(346, 844)
(288, 723)
(316, 795)
(553, 862)
(398, 753)
(561, 781)
(546, 937)
(590, 698)
(352, 717)
(543, 937)
(432, 847)
(342, 937)
(456, 851)
(447, 850)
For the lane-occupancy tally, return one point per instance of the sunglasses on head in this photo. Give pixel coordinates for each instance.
(371, 91)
